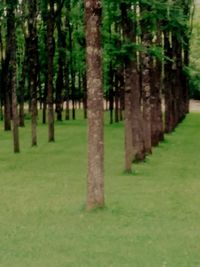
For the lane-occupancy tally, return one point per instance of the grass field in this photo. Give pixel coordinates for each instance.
(152, 217)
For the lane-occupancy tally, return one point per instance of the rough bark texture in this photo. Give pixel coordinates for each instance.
(95, 193)
(128, 118)
(33, 69)
(156, 107)
(134, 145)
(137, 119)
(13, 73)
(128, 34)
(146, 39)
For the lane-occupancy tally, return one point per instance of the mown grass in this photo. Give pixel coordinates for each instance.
(151, 219)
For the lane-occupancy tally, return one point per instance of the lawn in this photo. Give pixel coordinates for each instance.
(151, 219)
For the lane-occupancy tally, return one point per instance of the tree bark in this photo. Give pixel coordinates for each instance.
(156, 105)
(13, 72)
(50, 50)
(95, 189)
(33, 66)
(134, 145)
(61, 62)
(146, 39)
(167, 83)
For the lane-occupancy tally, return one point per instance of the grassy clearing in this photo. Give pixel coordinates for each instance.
(152, 218)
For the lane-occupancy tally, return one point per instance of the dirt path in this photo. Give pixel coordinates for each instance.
(194, 106)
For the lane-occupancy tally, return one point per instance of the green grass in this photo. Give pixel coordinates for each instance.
(151, 219)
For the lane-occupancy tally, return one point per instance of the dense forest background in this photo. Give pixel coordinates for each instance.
(147, 75)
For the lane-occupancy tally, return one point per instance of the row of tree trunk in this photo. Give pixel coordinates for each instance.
(147, 80)
(145, 69)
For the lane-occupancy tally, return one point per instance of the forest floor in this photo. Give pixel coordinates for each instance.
(151, 219)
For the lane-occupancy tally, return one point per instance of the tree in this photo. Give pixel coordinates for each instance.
(95, 193)
(12, 69)
(50, 75)
(33, 65)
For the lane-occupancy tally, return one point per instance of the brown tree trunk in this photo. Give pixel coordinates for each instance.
(146, 39)
(51, 50)
(167, 83)
(72, 71)
(61, 61)
(95, 193)
(157, 134)
(22, 86)
(134, 142)
(13, 72)
(33, 66)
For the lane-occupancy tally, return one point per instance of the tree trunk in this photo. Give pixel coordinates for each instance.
(95, 193)
(22, 85)
(33, 66)
(61, 61)
(156, 106)
(134, 145)
(167, 84)
(146, 39)
(72, 73)
(51, 50)
(13, 72)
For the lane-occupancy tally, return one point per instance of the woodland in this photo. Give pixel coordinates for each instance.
(94, 103)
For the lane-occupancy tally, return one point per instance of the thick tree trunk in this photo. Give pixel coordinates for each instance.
(33, 67)
(146, 39)
(137, 118)
(13, 72)
(95, 193)
(134, 146)
(128, 118)
(157, 134)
